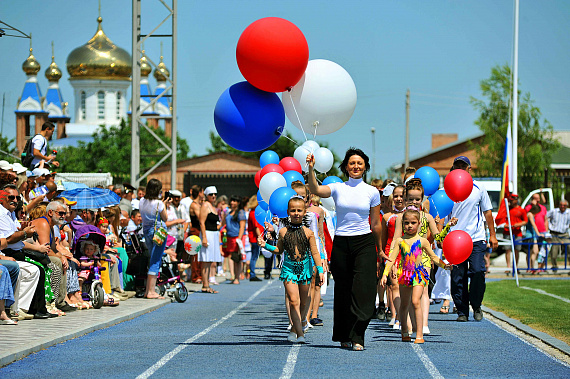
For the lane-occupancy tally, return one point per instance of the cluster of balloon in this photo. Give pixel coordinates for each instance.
(324, 159)
(457, 247)
(272, 54)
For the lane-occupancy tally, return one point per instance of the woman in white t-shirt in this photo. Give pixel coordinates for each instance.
(354, 254)
(153, 213)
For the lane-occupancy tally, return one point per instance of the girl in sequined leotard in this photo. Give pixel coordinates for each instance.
(413, 276)
(297, 243)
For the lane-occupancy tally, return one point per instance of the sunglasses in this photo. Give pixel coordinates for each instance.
(212, 194)
(61, 213)
(11, 197)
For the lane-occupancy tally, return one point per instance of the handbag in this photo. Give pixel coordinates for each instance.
(160, 233)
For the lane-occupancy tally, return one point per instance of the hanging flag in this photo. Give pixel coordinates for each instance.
(507, 179)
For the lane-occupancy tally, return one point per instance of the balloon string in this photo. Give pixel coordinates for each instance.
(292, 140)
(296, 114)
(316, 125)
(433, 202)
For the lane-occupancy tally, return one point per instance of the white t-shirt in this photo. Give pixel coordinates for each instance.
(469, 213)
(40, 143)
(353, 200)
(148, 209)
(187, 201)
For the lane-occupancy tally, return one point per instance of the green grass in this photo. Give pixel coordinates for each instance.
(538, 311)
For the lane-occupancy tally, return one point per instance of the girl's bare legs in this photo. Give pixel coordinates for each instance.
(417, 292)
(3, 315)
(396, 299)
(533, 256)
(294, 297)
(315, 301)
(405, 300)
(205, 271)
(236, 271)
(425, 301)
(389, 297)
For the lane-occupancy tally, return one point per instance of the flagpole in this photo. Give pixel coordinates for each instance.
(516, 99)
(515, 271)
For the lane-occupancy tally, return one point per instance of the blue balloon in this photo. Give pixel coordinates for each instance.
(331, 179)
(261, 202)
(429, 178)
(249, 119)
(291, 176)
(440, 204)
(279, 201)
(268, 156)
(261, 215)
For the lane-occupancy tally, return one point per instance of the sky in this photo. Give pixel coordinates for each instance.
(440, 50)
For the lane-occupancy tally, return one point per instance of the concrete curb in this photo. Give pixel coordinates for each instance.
(15, 354)
(547, 339)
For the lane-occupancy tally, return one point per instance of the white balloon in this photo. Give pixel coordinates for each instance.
(269, 183)
(311, 145)
(300, 155)
(323, 159)
(328, 203)
(324, 98)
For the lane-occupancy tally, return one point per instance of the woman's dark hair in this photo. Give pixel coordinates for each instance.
(241, 205)
(349, 153)
(534, 209)
(153, 189)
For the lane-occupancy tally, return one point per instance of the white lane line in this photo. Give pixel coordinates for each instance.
(291, 362)
(546, 293)
(428, 364)
(190, 340)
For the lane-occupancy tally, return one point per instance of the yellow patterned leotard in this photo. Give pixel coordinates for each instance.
(412, 270)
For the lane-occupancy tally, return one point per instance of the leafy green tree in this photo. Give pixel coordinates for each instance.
(110, 151)
(284, 147)
(8, 150)
(536, 143)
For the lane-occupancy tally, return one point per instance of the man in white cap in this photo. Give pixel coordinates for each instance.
(6, 166)
(42, 175)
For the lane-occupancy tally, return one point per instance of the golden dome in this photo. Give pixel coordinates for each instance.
(99, 58)
(161, 72)
(53, 73)
(31, 66)
(145, 67)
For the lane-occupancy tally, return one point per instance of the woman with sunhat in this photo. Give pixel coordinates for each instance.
(210, 236)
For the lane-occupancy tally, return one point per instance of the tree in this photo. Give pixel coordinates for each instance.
(284, 147)
(536, 143)
(110, 151)
(7, 150)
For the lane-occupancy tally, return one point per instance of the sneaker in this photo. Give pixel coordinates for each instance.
(292, 337)
(267, 276)
(254, 279)
(381, 314)
(392, 322)
(425, 330)
(289, 327)
(316, 322)
(478, 314)
(396, 325)
(462, 318)
(306, 326)
(301, 340)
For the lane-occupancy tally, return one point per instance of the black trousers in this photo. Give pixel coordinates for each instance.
(353, 266)
(473, 268)
(38, 304)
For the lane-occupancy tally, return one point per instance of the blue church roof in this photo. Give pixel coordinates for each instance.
(53, 96)
(31, 89)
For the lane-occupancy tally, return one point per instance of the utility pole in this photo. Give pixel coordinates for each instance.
(407, 157)
(373, 131)
(516, 100)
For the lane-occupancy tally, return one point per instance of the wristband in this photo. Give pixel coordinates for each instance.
(270, 248)
(320, 269)
(385, 273)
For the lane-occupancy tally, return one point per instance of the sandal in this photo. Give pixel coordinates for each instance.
(357, 347)
(208, 290)
(235, 281)
(444, 309)
(406, 337)
(419, 340)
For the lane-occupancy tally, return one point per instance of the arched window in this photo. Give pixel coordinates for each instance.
(118, 104)
(82, 110)
(101, 105)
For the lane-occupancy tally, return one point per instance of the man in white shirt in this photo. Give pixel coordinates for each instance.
(471, 215)
(40, 146)
(558, 222)
(177, 218)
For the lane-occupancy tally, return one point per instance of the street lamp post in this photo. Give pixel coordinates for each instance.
(373, 131)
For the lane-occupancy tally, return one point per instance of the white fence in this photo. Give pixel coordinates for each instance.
(89, 179)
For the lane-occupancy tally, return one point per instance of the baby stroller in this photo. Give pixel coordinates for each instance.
(92, 288)
(139, 257)
(169, 281)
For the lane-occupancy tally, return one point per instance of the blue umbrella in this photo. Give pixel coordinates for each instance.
(72, 185)
(91, 198)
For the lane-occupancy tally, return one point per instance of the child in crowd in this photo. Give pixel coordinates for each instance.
(298, 244)
(412, 275)
(90, 250)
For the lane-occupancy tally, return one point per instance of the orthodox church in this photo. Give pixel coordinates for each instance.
(100, 74)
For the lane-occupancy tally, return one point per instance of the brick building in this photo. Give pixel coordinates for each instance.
(231, 174)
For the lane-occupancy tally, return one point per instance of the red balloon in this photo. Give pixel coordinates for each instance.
(457, 247)
(272, 54)
(458, 185)
(290, 164)
(257, 178)
(272, 167)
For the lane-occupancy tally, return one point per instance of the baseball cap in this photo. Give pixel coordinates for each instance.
(5, 166)
(513, 196)
(18, 168)
(68, 202)
(40, 171)
(175, 193)
(210, 190)
(462, 158)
